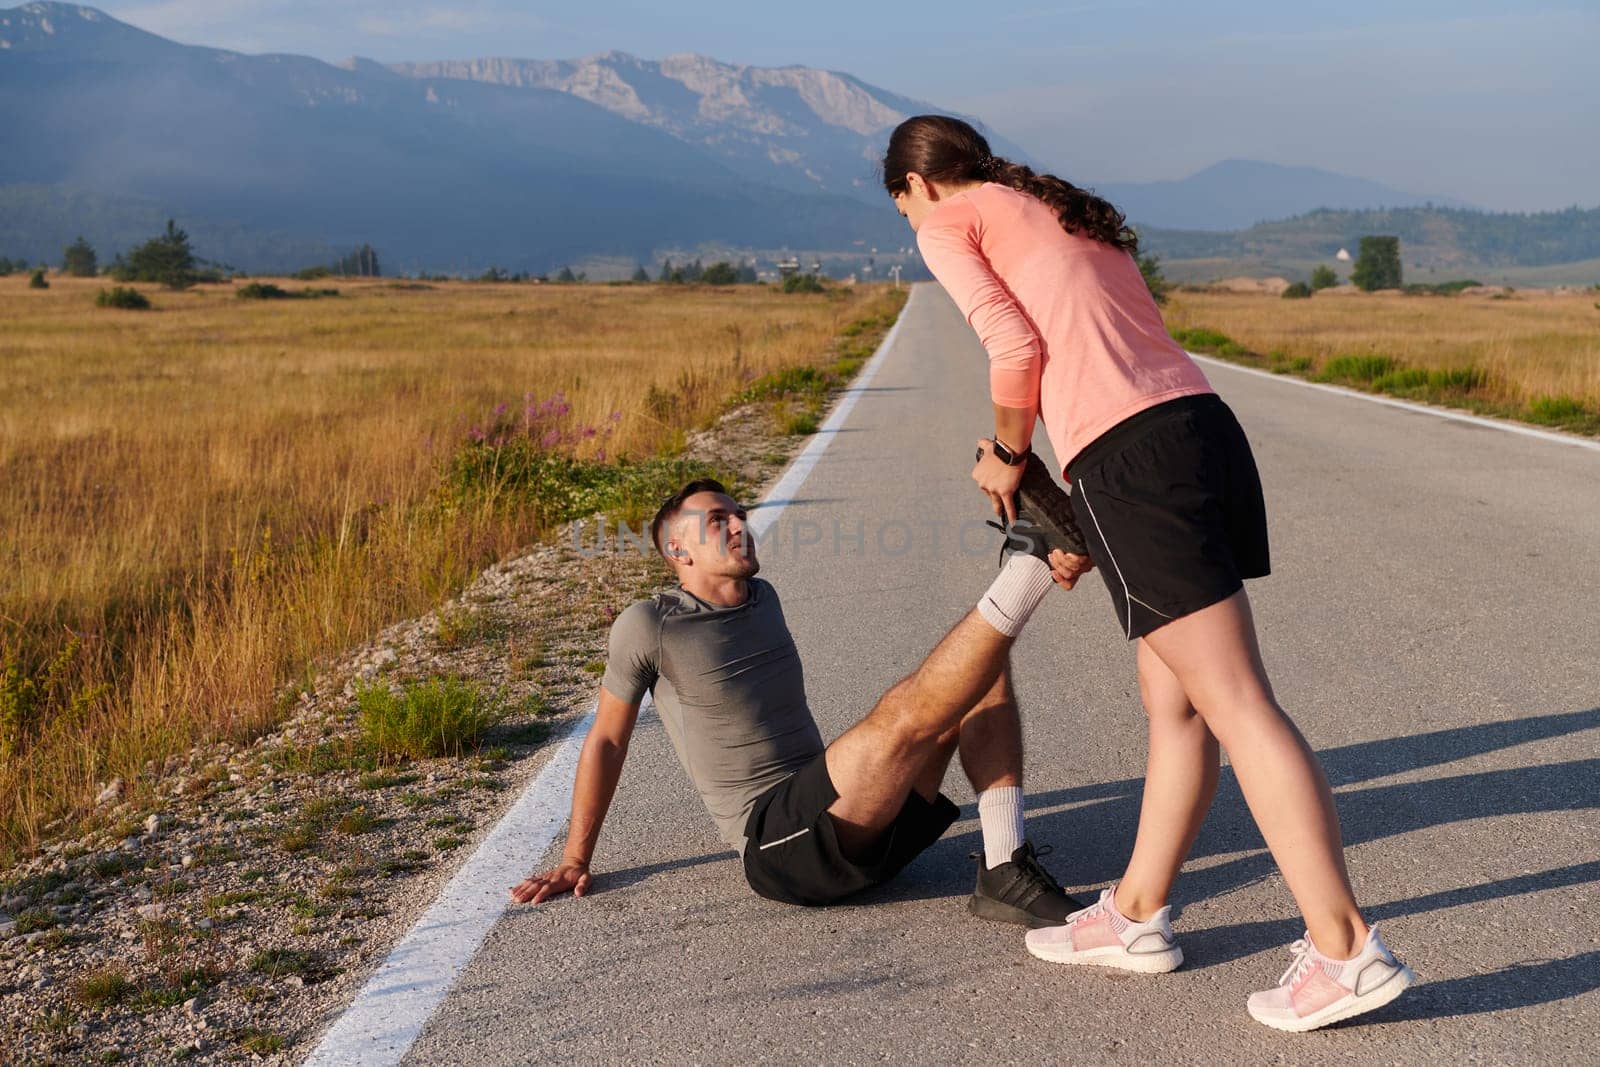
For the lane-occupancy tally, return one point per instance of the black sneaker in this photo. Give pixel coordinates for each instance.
(1020, 891)
(1044, 516)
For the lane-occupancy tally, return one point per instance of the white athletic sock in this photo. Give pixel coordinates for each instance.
(1000, 815)
(1017, 590)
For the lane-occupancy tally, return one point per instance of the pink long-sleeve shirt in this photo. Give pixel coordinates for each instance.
(1068, 321)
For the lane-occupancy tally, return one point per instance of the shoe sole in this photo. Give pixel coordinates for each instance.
(1121, 959)
(1339, 1011)
(1049, 508)
(995, 911)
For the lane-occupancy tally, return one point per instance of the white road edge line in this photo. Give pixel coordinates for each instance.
(1407, 405)
(387, 1015)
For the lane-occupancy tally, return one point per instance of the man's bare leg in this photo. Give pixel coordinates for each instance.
(989, 739)
(875, 764)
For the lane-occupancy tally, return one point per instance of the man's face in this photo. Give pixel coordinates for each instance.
(709, 534)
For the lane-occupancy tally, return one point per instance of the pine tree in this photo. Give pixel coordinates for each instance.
(79, 260)
(1377, 264)
(167, 259)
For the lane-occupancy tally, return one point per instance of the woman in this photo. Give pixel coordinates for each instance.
(1167, 494)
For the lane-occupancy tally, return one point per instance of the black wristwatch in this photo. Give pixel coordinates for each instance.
(1005, 455)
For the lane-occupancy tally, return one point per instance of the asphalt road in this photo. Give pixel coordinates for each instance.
(1431, 623)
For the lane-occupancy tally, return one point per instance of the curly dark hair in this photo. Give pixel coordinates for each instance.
(945, 149)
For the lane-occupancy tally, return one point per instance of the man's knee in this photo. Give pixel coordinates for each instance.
(904, 717)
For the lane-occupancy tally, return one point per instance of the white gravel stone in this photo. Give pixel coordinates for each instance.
(152, 823)
(110, 794)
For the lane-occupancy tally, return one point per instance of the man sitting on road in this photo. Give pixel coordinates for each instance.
(814, 824)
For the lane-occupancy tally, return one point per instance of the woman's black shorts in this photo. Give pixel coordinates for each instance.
(1170, 503)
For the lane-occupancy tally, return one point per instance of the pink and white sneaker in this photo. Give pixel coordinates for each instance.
(1102, 936)
(1316, 990)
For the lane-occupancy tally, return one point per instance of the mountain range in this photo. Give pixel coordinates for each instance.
(274, 161)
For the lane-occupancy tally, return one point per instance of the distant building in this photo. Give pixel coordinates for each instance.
(1343, 255)
(788, 266)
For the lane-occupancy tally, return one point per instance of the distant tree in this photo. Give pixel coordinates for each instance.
(802, 283)
(1150, 268)
(310, 274)
(362, 263)
(1323, 277)
(1297, 291)
(6, 266)
(747, 275)
(694, 271)
(79, 260)
(566, 276)
(36, 281)
(121, 297)
(1377, 264)
(720, 273)
(668, 274)
(640, 274)
(494, 274)
(167, 260)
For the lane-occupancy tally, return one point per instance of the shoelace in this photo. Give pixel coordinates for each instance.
(1304, 960)
(1093, 910)
(1032, 866)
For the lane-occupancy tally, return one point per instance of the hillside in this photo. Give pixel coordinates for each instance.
(1237, 193)
(1431, 239)
(438, 173)
(791, 127)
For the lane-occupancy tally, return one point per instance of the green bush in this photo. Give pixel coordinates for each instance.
(262, 291)
(121, 296)
(37, 280)
(1362, 369)
(791, 381)
(1200, 339)
(438, 717)
(311, 274)
(268, 291)
(1406, 380)
(1297, 291)
(1323, 277)
(803, 283)
(720, 273)
(1456, 379)
(800, 424)
(1556, 410)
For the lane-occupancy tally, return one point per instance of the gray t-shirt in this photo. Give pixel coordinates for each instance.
(729, 688)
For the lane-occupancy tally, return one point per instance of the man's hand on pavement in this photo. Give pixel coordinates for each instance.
(566, 877)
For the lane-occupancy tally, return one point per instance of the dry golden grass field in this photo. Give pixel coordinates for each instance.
(1533, 355)
(198, 500)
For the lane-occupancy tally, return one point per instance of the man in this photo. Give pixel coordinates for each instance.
(816, 824)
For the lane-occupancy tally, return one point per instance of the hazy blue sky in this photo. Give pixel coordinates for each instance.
(1496, 103)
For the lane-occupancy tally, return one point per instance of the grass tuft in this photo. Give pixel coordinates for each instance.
(103, 988)
(438, 717)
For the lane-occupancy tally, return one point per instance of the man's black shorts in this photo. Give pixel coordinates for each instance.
(1170, 504)
(792, 855)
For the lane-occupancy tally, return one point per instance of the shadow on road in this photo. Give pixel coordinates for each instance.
(1092, 826)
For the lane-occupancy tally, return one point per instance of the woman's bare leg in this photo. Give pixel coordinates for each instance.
(1214, 655)
(1180, 780)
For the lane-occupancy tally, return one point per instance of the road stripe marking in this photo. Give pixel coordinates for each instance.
(1407, 405)
(387, 1015)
